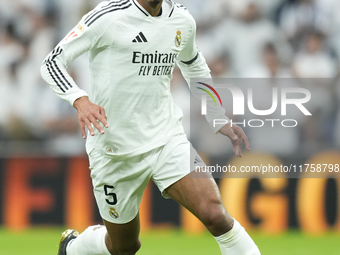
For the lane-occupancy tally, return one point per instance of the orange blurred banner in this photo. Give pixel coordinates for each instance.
(58, 191)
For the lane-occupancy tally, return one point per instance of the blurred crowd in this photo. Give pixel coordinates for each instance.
(243, 39)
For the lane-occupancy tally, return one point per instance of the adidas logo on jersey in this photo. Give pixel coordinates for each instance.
(197, 160)
(140, 38)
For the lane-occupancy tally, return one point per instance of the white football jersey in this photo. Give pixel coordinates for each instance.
(132, 57)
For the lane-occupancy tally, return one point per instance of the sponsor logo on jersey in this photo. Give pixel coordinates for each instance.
(113, 213)
(81, 28)
(165, 63)
(178, 38)
(153, 58)
(197, 160)
(140, 38)
(111, 150)
(71, 35)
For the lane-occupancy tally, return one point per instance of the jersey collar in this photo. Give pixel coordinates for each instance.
(163, 14)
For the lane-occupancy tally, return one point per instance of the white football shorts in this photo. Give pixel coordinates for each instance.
(119, 183)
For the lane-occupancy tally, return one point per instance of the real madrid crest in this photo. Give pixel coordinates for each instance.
(113, 213)
(178, 38)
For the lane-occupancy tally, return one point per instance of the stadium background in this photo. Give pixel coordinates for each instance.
(44, 179)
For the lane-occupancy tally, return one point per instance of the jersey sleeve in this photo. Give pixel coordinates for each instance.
(81, 39)
(196, 72)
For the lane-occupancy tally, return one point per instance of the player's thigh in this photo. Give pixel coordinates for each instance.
(172, 176)
(118, 185)
(201, 197)
(173, 162)
(123, 237)
(196, 194)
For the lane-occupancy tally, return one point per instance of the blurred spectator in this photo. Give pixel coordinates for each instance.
(220, 66)
(332, 38)
(29, 84)
(267, 8)
(314, 61)
(301, 16)
(245, 37)
(271, 66)
(206, 13)
(11, 51)
(70, 12)
(336, 107)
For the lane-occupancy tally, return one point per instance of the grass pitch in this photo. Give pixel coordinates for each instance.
(44, 241)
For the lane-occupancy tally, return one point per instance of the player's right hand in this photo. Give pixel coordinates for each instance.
(88, 114)
(236, 136)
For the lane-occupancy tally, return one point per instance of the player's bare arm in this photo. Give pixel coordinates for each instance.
(88, 114)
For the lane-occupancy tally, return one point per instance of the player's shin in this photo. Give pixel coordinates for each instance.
(90, 242)
(237, 242)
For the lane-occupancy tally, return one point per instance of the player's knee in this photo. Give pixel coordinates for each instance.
(215, 218)
(130, 248)
(137, 245)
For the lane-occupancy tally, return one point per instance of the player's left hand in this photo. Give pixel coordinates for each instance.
(236, 135)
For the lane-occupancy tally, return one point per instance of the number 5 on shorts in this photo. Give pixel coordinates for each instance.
(113, 199)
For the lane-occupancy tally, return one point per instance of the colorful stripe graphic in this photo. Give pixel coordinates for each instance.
(209, 92)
